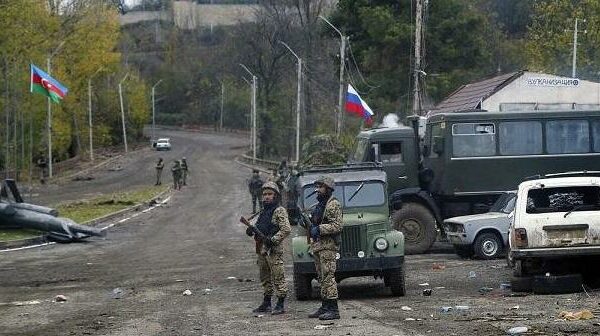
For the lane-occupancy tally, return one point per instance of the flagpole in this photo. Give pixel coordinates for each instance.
(343, 38)
(49, 124)
(298, 100)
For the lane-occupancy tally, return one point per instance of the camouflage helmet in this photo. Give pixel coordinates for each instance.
(326, 181)
(271, 185)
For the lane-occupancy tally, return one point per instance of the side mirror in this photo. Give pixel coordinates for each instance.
(438, 144)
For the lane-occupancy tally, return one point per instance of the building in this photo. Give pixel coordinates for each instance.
(523, 91)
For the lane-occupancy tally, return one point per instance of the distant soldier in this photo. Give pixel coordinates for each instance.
(184, 170)
(159, 168)
(176, 171)
(254, 187)
(272, 222)
(325, 231)
(42, 164)
(283, 170)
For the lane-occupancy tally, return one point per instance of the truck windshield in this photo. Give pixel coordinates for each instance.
(372, 193)
(359, 151)
(505, 203)
(563, 199)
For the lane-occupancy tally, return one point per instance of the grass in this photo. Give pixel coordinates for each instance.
(85, 210)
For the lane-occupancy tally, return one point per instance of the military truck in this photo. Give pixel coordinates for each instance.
(369, 245)
(466, 160)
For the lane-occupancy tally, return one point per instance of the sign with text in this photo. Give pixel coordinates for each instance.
(552, 81)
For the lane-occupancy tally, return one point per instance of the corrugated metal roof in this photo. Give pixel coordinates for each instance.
(469, 97)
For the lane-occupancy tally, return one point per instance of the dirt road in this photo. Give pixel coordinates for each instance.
(132, 282)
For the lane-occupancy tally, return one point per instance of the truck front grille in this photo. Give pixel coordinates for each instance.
(351, 241)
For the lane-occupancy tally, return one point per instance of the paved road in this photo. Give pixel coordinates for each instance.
(195, 243)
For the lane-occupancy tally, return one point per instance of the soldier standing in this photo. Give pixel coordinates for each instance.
(254, 186)
(274, 224)
(176, 171)
(184, 170)
(325, 232)
(159, 168)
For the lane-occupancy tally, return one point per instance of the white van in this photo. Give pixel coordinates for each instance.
(556, 216)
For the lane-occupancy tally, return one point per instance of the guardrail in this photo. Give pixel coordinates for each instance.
(268, 164)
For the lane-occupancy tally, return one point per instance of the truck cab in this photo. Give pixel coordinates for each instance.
(369, 245)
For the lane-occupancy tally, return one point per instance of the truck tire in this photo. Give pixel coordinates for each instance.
(418, 226)
(521, 284)
(557, 284)
(302, 286)
(488, 245)
(463, 251)
(395, 278)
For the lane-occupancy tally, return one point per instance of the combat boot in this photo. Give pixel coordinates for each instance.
(265, 306)
(332, 312)
(279, 307)
(319, 311)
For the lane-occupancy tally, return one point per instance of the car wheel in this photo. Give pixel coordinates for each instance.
(488, 245)
(395, 278)
(463, 251)
(418, 226)
(302, 286)
(521, 284)
(557, 284)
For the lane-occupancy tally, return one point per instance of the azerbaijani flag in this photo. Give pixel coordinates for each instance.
(43, 83)
(355, 105)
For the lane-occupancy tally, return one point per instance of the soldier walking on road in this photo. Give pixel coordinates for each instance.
(176, 171)
(274, 224)
(159, 168)
(325, 232)
(184, 171)
(254, 187)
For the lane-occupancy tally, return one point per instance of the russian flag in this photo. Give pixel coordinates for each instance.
(355, 105)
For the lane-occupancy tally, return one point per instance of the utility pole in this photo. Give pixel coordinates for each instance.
(254, 87)
(340, 115)
(123, 110)
(416, 106)
(90, 120)
(575, 33)
(222, 102)
(154, 111)
(298, 101)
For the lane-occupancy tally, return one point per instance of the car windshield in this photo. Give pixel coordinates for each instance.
(505, 203)
(351, 194)
(163, 141)
(563, 199)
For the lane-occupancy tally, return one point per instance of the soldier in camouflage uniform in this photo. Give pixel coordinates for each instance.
(325, 233)
(254, 187)
(272, 222)
(159, 168)
(176, 171)
(184, 171)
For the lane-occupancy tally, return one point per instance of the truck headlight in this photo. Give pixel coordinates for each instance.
(381, 244)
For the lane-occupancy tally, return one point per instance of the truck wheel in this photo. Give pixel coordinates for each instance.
(302, 286)
(395, 278)
(557, 284)
(521, 284)
(418, 226)
(488, 245)
(463, 251)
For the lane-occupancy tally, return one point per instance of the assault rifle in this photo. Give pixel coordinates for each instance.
(261, 237)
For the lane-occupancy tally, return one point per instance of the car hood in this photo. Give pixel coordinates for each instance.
(355, 218)
(481, 219)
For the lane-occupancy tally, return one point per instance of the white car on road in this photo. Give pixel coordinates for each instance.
(163, 144)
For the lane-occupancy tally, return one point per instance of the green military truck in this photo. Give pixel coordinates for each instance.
(369, 245)
(465, 161)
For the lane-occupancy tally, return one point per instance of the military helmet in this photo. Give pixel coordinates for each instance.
(326, 181)
(271, 185)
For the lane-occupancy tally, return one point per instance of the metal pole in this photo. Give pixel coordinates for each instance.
(339, 118)
(154, 110)
(574, 71)
(123, 111)
(49, 126)
(416, 71)
(90, 118)
(298, 107)
(254, 84)
(222, 101)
